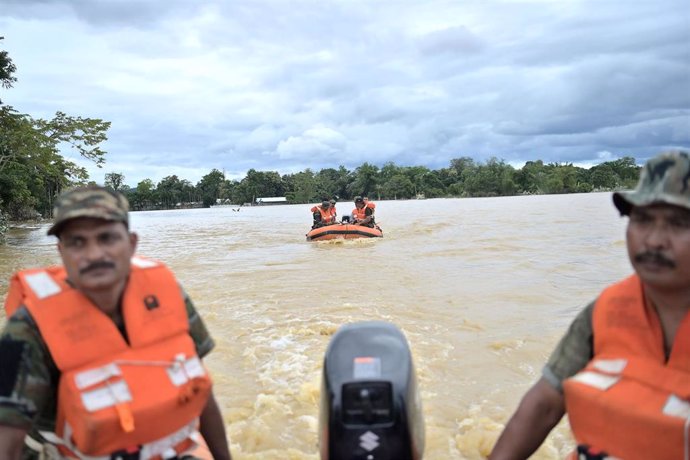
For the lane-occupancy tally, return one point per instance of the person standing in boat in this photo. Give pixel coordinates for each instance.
(323, 215)
(363, 214)
(101, 356)
(622, 371)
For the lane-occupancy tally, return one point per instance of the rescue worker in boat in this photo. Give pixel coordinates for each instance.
(622, 371)
(363, 214)
(323, 215)
(101, 357)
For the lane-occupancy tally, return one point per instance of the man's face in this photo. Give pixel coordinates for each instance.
(359, 204)
(658, 239)
(96, 253)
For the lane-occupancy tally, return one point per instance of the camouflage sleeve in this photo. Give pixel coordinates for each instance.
(573, 352)
(197, 329)
(28, 375)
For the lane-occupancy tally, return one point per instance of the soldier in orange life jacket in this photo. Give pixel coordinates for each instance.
(324, 214)
(363, 214)
(101, 357)
(622, 371)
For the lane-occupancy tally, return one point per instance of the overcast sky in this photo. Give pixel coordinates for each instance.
(285, 85)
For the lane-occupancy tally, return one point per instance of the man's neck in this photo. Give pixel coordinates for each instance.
(108, 301)
(671, 307)
(674, 302)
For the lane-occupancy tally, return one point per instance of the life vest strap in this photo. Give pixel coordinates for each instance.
(185, 440)
(587, 453)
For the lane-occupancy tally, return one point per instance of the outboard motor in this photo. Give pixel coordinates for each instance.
(370, 405)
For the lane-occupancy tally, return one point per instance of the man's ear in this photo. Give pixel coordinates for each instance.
(133, 240)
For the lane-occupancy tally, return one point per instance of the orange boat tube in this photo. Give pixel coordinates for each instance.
(343, 231)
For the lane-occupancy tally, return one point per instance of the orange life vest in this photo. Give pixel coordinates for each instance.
(629, 402)
(327, 215)
(360, 214)
(112, 395)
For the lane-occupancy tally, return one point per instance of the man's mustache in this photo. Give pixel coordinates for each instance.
(96, 266)
(655, 257)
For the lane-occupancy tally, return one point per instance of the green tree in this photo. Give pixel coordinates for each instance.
(432, 185)
(114, 180)
(398, 187)
(210, 187)
(7, 70)
(343, 182)
(388, 171)
(142, 196)
(31, 166)
(459, 165)
(495, 178)
(169, 191)
(604, 177)
(32, 169)
(532, 177)
(365, 180)
(226, 189)
(627, 171)
(258, 184)
(304, 187)
(327, 184)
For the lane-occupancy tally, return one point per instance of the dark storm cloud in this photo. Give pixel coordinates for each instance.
(191, 86)
(111, 13)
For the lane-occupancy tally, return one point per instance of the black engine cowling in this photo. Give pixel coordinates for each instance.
(370, 405)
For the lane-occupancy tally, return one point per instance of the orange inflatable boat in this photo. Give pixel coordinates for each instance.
(343, 232)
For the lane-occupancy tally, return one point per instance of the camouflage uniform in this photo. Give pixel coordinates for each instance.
(28, 375)
(665, 179)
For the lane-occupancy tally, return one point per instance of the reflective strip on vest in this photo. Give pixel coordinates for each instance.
(677, 407)
(42, 284)
(107, 396)
(610, 366)
(94, 376)
(596, 380)
(163, 448)
(611, 370)
(185, 370)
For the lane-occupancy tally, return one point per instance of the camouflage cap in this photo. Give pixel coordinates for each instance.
(664, 179)
(90, 201)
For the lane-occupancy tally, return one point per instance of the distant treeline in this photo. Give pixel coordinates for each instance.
(463, 178)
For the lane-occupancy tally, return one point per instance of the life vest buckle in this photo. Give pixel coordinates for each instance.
(585, 452)
(131, 453)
